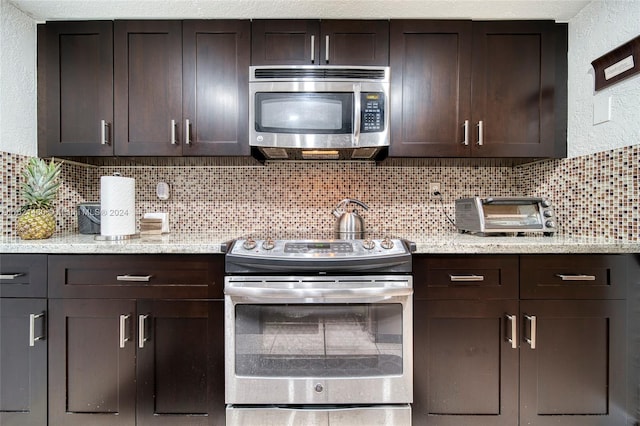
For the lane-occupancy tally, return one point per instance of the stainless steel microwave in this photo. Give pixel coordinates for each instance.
(318, 112)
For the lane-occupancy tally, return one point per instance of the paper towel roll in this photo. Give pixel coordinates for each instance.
(117, 206)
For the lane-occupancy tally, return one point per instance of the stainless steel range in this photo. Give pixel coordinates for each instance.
(318, 332)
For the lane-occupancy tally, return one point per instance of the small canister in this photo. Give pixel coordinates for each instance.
(89, 218)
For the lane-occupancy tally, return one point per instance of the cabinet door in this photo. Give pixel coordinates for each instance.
(430, 88)
(574, 371)
(23, 362)
(513, 89)
(180, 363)
(285, 42)
(148, 87)
(91, 362)
(359, 42)
(75, 88)
(215, 90)
(467, 373)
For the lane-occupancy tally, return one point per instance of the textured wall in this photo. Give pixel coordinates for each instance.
(18, 122)
(597, 29)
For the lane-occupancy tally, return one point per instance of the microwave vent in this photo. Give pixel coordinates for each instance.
(377, 74)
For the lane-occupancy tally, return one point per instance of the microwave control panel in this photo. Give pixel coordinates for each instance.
(372, 112)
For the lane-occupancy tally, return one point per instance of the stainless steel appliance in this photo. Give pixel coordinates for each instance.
(500, 215)
(318, 332)
(318, 112)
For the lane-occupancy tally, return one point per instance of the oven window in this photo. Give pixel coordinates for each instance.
(525, 216)
(322, 113)
(319, 340)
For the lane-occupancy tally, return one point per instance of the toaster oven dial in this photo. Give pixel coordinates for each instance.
(550, 224)
(545, 203)
(548, 213)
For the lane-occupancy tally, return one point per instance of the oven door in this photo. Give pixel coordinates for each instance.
(318, 340)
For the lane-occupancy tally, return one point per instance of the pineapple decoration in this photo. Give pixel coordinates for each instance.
(37, 220)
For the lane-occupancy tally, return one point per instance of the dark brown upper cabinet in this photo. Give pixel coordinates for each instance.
(314, 42)
(215, 91)
(143, 88)
(480, 89)
(75, 88)
(148, 87)
(181, 88)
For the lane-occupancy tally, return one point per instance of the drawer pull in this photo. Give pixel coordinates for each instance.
(136, 278)
(531, 340)
(466, 278)
(10, 276)
(141, 330)
(576, 277)
(32, 329)
(123, 330)
(514, 330)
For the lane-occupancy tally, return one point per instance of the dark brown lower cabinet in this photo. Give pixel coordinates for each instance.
(465, 369)
(573, 363)
(23, 362)
(126, 362)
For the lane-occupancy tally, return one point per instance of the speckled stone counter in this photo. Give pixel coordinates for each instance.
(214, 242)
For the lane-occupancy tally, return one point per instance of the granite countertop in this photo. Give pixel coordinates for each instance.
(211, 243)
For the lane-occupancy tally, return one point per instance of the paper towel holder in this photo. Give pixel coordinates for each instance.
(122, 237)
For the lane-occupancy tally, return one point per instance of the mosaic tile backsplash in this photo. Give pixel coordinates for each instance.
(595, 195)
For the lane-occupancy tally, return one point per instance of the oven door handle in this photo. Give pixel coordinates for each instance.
(341, 294)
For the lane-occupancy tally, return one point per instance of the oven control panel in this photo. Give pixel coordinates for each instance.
(318, 248)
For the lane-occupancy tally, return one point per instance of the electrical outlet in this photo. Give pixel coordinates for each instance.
(434, 187)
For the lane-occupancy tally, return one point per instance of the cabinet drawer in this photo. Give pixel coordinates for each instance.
(573, 277)
(23, 275)
(136, 276)
(466, 277)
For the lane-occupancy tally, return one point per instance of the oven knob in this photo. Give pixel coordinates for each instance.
(387, 243)
(548, 213)
(249, 244)
(550, 224)
(369, 244)
(318, 388)
(268, 244)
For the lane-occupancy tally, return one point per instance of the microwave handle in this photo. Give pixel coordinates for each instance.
(357, 114)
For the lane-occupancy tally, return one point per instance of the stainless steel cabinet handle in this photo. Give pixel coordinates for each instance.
(576, 277)
(187, 132)
(173, 132)
(465, 142)
(466, 278)
(10, 276)
(32, 329)
(313, 48)
(513, 339)
(480, 133)
(123, 330)
(104, 132)
(136, 278)
(326, 52)
(141, 330)
(531, 340)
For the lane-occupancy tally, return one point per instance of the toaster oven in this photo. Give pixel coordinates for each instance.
(505, 215)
